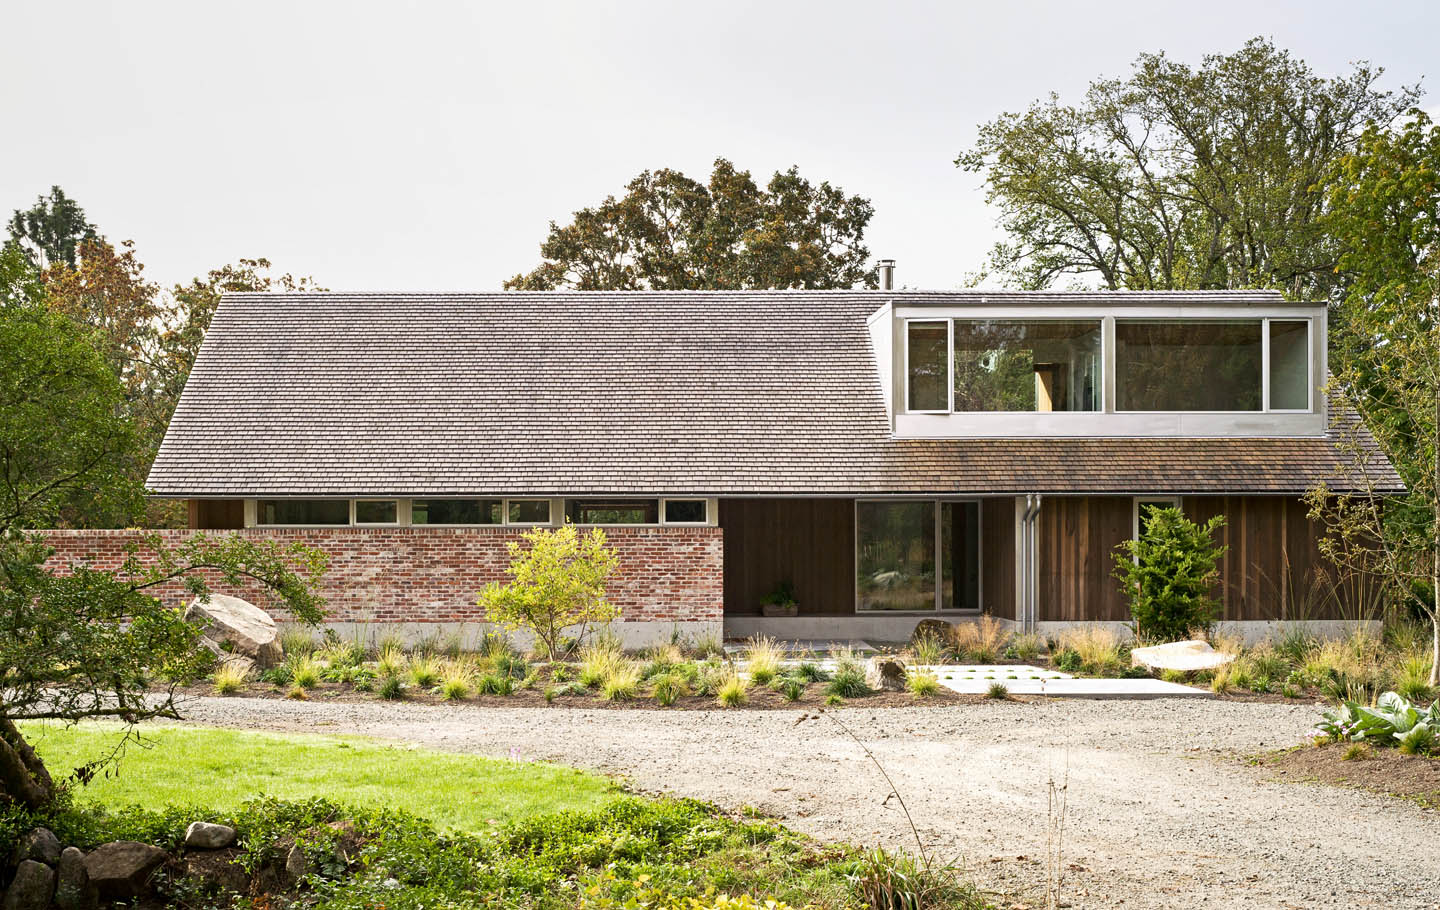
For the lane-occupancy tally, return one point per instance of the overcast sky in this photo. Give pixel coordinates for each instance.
(426, 146)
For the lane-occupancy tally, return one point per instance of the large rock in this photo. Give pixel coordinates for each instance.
(1185, 656)
(237, 626)
(121, 869)
(208, 836)
(887, 674)
(40, 844)
(73, 890)
(31, 889)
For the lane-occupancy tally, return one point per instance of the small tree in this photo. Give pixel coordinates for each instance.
(1167, 575)
(558, 583)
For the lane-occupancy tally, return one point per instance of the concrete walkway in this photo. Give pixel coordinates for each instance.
(1028, 680)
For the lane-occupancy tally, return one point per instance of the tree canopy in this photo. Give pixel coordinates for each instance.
(1209, 177)
(50, 232)
(1385, 217)
(669, 232)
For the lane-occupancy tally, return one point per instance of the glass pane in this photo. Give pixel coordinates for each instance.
(1027, 365)
(685, 511)
(895, 563)
(927, 343)
(304, 512)
(375, 511)
(455, 512)
(1187, 365)
(1289, 365)
(529, 511)
(613, 512)
(960, 555)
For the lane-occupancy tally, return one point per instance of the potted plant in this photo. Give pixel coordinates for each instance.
(779, 602)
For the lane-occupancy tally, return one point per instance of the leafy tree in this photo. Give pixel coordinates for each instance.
(1180, 177)
(558, 583)
(669, 232)
(20, 284)
(1385, 214)
(51, 231)
(88, 643)
(65, 445)
(1168, 573)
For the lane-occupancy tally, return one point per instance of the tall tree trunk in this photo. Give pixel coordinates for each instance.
(23, 778)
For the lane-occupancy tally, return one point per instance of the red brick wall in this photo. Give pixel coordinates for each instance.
(434, 574)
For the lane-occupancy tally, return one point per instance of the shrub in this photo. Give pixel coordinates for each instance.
(833, 701)
(1289, 691)
(1421, 740)
(998, 691)
(1168, 573)
(1068, 660)
(710, 676)
(762, 659)
(848, 682)
(230, 678)
(1173, 676)
(622, 683)
(922, 683)
(731, 693)
(928, 648)
(668, 687)
(1392, 721)
(558, 579)
(391, 688)
(500, 684)
(792, 688)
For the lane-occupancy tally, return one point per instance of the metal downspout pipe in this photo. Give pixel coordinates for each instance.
(1027, 612)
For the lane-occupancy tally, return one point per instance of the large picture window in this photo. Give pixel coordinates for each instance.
(1027, 365)
(1289, 365)
(1187, 365)
(900, 546)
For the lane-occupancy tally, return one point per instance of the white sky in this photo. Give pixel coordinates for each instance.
(426, 146)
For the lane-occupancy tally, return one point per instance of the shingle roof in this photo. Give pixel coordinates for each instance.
(627, 392)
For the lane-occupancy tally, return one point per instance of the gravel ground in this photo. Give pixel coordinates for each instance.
(1161, 811)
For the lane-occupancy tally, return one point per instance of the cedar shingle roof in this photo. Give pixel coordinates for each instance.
(627, 392)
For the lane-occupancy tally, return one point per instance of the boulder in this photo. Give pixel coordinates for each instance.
(236, 626)
(934, 628)
(121, 870)
(887, 674)
(1185, 656)
(296, 865)
(73, 890)
(40, 844)
(208, 836)
(31, 888)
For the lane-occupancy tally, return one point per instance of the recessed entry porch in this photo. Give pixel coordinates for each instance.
(866, 568)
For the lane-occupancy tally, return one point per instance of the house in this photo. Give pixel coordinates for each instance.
(888, 455)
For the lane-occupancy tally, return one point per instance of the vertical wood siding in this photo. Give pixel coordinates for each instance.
(997, 556)
(1076, 536)
(807, 542)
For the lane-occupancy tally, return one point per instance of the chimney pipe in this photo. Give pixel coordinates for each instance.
(887, 274)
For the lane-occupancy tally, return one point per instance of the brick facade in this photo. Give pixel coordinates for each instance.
(419, 575)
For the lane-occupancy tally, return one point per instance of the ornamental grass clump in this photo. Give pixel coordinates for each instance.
(296, 642)
(456, 682)
(667, 688)
(848, 681)
(1097, 648)
(391, 688)
(731, 693)
(305, 672)
(390, 661)
(424, 672)
(1413, 679)
(928, 649)
(230, 678)
(1168, 573)
(622, 683)
(597, 663)
(762, 659)
(922, 683)
(793, 689)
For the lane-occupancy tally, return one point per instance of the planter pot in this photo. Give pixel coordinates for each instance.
(779, 609)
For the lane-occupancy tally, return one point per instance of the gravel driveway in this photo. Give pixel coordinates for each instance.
(1161, 813)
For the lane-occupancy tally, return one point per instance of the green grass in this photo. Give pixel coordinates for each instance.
(221, 769)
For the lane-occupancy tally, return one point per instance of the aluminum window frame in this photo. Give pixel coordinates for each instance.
(665, 500)
(355, 521)
(1167, 500)
(938, 594)
(1309, 365)
(949, 362)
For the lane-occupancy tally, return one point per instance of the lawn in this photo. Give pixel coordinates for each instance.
(221, 769)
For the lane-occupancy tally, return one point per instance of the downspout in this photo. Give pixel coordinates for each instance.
(1025, 610)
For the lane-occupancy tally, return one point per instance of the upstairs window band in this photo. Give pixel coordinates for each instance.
(1158, 365)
